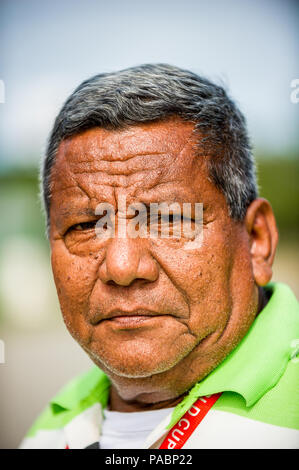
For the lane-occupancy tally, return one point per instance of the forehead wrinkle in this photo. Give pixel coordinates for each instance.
(94, 147)
(70, 174)
(124, 144)
(145, 179)
(119, 174)
(136, 164)
(119, 167)
(127, 157)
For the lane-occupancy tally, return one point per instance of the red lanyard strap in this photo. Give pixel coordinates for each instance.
(182, 430)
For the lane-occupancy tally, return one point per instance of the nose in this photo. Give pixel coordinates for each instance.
(127, 260)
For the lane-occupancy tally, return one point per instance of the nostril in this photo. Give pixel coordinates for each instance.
(142, 280)
(136, 280)
(111, 283)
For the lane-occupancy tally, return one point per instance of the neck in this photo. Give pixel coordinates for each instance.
(263, 299)
(116, 403)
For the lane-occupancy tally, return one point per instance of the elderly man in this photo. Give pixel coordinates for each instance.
(193, 348)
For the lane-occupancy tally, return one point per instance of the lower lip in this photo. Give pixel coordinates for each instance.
(131, 321)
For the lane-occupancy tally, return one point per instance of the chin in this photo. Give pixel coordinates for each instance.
(132, 365)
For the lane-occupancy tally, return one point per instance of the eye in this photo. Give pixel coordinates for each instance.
(175, 218)
(83, 226)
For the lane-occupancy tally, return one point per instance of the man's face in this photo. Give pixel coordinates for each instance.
(142, 306)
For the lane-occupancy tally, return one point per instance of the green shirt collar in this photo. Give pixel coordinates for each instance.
(88, 388)
(251, 369)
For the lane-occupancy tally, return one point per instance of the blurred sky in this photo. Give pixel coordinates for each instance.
(48, 47)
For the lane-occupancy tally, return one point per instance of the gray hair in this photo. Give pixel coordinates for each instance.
(154, 92)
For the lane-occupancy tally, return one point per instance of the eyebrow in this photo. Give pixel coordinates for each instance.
(70, 212)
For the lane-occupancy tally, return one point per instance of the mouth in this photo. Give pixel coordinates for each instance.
(126, 317)
(131, 321)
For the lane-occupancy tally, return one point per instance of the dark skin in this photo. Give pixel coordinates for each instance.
(156, 318)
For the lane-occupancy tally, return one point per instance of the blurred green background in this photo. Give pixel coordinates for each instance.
(46, 49)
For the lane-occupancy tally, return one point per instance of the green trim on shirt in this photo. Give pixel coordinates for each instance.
(78, 395)
(279, 406)
(255, 377)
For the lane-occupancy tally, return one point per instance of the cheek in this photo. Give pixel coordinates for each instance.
(224, 292)
(203, 276)
(74, 277)
(210, 299)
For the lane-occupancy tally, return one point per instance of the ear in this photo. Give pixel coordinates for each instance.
(263, 235)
